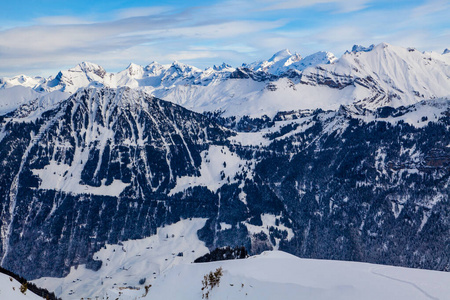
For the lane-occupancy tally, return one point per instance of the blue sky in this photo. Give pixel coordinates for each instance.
(40, 37)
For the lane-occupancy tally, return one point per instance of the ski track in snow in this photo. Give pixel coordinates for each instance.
(374, 271)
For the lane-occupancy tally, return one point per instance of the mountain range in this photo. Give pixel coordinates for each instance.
(320, 157)
(372, 77)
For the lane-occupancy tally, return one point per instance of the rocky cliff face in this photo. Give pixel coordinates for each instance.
(108, 165)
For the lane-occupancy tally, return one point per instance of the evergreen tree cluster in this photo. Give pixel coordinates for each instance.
(225, 253)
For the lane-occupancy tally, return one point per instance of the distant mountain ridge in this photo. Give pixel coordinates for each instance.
(371, 76)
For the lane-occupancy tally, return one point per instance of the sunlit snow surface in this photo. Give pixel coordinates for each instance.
(10, 290)
(219, 166)
(278, 275)
(124, 265)
(12, 98)
(66, 178)
(271, 275)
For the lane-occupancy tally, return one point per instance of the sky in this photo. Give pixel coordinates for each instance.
(41, 37)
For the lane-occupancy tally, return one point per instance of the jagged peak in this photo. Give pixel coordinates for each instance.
(134, 69)
(153, 64)
(87, 67)
(282, 54)
(222, 67)
(323, 55)
(134, 66)
(360, 48)
(184, 67)
(154, 67)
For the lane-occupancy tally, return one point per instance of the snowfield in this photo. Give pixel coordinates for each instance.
(10, 290)
(278, 275)
(271, 275)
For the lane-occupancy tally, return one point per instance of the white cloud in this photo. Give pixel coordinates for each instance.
(232, 31)
(431, 7)
(53, 43)
(343, 6)
(142, 11)
(61, 20)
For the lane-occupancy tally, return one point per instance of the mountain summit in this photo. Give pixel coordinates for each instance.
(370, 76)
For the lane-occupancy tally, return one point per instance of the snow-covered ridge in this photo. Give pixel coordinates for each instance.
(394, 76)
(158, 75)
(372, 76)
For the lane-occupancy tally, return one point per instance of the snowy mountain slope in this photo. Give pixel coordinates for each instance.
(102, 147)
(27, 102)
(240, 97)
(22, 80)
(277, 64)
(271, 275)
(372, 77)
(12, 98)
(10, 290)
(394, 76)
(126, 264)
(278, 275)
(110, 165)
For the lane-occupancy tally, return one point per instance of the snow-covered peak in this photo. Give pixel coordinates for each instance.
(394, 75)
(379, 75)
(282, 54)
(222, 67)
(180, 71)
(277, 64)
(315, 59)
(88, 67)
(21, 80)
(446, 51)
(154, 67)
(135, 70)
(184, 67)
(359, 48)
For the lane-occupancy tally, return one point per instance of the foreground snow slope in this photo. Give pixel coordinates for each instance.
(124, 265)
(271, 275)
(278, 275)
(10, 290)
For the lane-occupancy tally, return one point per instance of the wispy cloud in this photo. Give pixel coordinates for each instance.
(61, 20)
(143, 11)
(339, 6)
(230, 30)
(53, 42)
